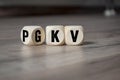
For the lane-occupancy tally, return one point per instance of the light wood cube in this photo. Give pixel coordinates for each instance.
(74, 35)
(55, 35)
(32, 35)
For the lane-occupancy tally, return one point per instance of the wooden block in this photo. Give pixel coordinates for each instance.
(55, 35)
(32, 35)
(74, 35)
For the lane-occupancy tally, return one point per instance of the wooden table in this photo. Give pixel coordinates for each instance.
(97, 59)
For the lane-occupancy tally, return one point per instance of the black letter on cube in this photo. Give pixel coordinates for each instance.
(54, 35)
(25, 34)
(37, 38)
(74, 37)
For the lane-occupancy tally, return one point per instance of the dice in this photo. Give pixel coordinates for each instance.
(55, 35)
(32, 35)
(74, 35)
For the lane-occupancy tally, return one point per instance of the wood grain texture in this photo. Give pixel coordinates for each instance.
(97, 59)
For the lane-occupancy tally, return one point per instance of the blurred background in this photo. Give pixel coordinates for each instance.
(42, 7)
(98, 58)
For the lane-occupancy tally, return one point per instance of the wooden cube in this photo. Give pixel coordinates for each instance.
(74, 35)
(55, 35)
(32, 35)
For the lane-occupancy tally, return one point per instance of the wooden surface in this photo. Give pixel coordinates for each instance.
(97, 59)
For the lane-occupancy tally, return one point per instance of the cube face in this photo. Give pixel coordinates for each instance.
(55, 35)
(74, 35)
(32, 35)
